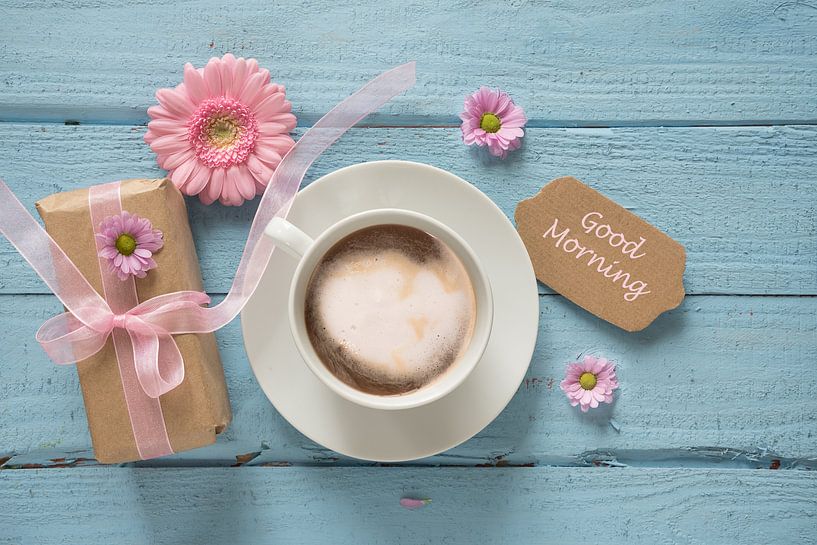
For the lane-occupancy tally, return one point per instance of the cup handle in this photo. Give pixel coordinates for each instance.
(288, 237)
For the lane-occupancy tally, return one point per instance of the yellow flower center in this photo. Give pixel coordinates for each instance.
(222, 131)
(587, 381)
(489, 123)
(125, 244)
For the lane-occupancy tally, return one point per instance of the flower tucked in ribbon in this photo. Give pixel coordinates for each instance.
(222, 133)
(492, 119)
(129, 244)
(590, 382)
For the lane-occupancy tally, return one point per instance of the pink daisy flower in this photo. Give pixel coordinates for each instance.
(129, 243)
(590, 382)
(492, 119)
(221, 133)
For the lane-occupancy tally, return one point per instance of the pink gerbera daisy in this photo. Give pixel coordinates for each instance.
(492, 119)
(221, 133)
(129, 243)
(590, 382)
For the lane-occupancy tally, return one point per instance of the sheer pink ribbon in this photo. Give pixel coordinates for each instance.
(84, 329)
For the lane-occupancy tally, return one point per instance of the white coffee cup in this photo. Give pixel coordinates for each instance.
(310, 252)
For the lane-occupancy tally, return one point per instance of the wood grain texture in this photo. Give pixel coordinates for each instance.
(720, 387)
(309, 506)
(742, 200)
(719, 372)
(568, 63)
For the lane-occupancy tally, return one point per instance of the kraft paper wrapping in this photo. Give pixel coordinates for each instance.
(600, 255)
(198, 409)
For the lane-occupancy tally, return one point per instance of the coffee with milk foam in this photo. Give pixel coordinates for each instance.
(389, 309)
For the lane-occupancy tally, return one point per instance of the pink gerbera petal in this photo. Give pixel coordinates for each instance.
(175, 102)
(170, 143)
(199, 180)
(167, 126)
(214, 122)
(242, 179)
(228, 63)
(194, 83)
(270, 105)
(158, 112)
(213, 190)
(175, 160)
(212, 77)
(229, 192)
(239, 77)
(251, 89)
(268, 155)
(180, 175)
(260, 170)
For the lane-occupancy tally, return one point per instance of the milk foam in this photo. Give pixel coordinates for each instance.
(392, 318)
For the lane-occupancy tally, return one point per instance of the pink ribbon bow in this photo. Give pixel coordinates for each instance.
(156, 361)
(156, 357)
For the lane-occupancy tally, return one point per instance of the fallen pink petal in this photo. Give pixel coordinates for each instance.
(412, 503)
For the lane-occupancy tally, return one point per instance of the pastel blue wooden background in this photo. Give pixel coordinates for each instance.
(699, 116)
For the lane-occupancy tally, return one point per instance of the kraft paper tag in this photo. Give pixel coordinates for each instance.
(602, 257)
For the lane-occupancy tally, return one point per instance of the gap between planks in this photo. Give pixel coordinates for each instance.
(541, 294)
(377, 121)
(670, 458)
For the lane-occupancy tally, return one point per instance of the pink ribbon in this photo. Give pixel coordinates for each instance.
(90, 319)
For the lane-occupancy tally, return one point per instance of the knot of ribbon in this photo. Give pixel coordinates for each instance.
(119, 320)
(66, 338)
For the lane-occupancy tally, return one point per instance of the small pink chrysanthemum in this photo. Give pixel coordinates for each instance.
(221, 133)
(590, 382)
(129, 244)
(492, 119)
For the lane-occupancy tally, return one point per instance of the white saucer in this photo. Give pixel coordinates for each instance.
(394, 436)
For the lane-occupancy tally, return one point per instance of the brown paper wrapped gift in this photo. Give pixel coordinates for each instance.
(198, 409)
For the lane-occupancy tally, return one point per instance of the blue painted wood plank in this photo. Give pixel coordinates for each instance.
(361, 505)
(742, 200)
(722, 380)
(569, 63)
(719, 373)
